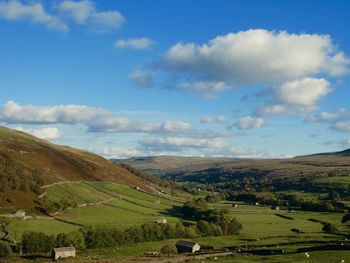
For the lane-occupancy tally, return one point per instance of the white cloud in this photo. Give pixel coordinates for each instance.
(343, 126)
(120, 152)
(341, 114)
(47, 133)
(80, 11)
(114, 124)
(215, 146)
(34, 12)
(297, 96)
(85, 13)
(11, 112)
(249, 122)
(339, 120)
(258, 56)
(143, 78)
(304, 92)
(213, 119)
(96, 119)
(135, 43)
(346, 143)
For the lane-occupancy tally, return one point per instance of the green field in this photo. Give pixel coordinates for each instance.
(315, 257)
(51, 227)
(113, 205)
(336, 180)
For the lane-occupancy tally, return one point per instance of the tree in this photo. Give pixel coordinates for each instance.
(334, 196)
(205, 228)
(33, 242)
(75, 239)
(346, 218)
(329, 228)
(168, 249)
(5, 250)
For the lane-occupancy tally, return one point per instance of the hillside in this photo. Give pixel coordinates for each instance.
(27, 163)
(216, 170)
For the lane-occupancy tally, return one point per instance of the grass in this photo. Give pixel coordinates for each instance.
(80, 192)
(315, 257)
(51, 227)
(336, 180)
(129, 206)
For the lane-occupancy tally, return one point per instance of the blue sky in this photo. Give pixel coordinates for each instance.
(205, 78)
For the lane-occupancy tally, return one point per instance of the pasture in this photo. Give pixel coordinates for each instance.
(112, 205)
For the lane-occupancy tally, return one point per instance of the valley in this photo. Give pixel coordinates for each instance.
(125, 201)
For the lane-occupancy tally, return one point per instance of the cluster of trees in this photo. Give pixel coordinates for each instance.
(211, 222)
(33, 242)
(93, 238)
(329, 228)
(5, 249)
(329, 203)
(104, 237)
(50, 206)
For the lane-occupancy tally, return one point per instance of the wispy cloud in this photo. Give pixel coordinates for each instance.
(143, 79)
(213, 119)
(338, 120)
(135, 43)
(85, 13)
(34, 12)
(57, 18)
(249, 122)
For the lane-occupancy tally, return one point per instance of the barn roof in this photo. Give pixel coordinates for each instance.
(63, 249)
(185, 243)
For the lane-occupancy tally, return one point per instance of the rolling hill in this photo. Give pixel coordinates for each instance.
(217, 170)
(28, 163)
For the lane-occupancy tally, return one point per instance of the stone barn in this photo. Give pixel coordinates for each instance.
(162, 220)
(63, 252)
(183, 246)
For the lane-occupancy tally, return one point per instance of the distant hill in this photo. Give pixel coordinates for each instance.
(217, 170)
(27, 163)
(340, 153)
(166, 165)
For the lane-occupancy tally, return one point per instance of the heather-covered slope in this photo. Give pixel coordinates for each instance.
(27, 163)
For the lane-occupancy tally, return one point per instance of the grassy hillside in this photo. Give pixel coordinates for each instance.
(27, 163)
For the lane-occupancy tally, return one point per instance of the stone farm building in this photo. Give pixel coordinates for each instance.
(63, 252)
(183, 246)
(162, 220)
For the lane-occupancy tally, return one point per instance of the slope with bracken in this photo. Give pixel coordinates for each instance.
(27, 163)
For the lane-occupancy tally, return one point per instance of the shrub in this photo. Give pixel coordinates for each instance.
(5, 250)
(168, 249)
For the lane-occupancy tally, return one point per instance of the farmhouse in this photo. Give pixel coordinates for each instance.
(183, 246)
(63, 252)
(162, 220)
